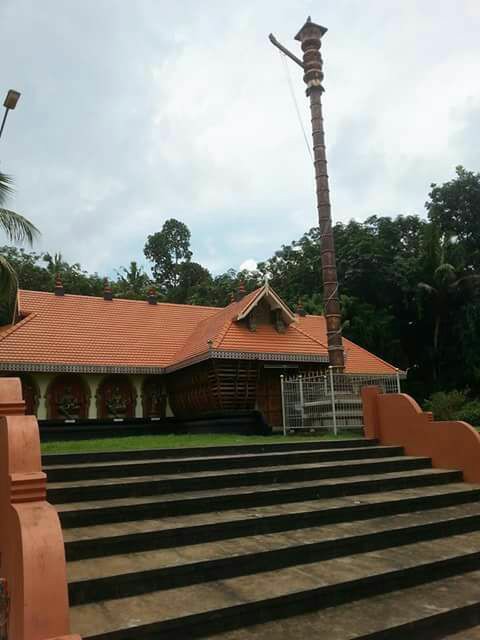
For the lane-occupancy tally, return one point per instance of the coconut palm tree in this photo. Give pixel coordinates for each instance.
(445, 282)
(17, 229)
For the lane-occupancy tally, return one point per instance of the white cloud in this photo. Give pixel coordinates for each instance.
(248, 265)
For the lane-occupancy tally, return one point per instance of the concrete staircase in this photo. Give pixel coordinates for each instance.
(332, 539)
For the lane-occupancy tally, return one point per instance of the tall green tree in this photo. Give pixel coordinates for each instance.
(168, 250)
(454, 207)
(446, 287)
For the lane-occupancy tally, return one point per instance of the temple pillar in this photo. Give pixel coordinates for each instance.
(93, 381)
(137, 382)
(43, 381)
(168, 409)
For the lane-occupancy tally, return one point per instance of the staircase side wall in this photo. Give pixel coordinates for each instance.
(396, 419)
(31, 542)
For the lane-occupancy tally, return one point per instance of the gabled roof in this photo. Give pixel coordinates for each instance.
(83, 333)
(275, 302)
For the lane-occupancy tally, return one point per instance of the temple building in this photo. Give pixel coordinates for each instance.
(82, 357)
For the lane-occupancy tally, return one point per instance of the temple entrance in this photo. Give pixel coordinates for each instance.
(154, 398)
(269, 396)
(67, 398)
(116, 398)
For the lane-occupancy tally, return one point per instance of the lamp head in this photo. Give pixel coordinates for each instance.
(11, 99)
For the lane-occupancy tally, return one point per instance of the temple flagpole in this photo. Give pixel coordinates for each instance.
(310, 37)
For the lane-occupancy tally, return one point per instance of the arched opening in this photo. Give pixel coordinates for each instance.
(154, 397)
(31, 394)
(67, 398)
(116, 398)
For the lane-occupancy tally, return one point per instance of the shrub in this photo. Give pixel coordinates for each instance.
(446, 405)
(470, 412)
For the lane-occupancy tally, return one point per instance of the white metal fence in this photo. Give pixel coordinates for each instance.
(329, 402)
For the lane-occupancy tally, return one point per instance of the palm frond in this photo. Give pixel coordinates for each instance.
(8, 282)
(472, 280)
(6, 187)
(423, 286)
(445, 274)
(17, 228)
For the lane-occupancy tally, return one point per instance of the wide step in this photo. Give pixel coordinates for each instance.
(196, 611)
(136, 573)
(123, 509)
(59, 492)
(177, 531)
(100, 470)
(427, 612)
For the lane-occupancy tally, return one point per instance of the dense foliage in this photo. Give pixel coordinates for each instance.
(409, 286)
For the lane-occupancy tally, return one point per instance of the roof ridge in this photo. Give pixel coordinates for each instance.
(228, 323)
(82, 295)
(388, 364)
(17, 325)
(305, 333)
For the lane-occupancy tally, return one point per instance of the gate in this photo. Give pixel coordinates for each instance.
(329, 402)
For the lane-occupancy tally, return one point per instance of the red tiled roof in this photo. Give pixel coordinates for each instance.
(84, 330)
(357, 360)
(81, 330)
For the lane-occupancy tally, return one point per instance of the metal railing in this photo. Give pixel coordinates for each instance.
(329, 402)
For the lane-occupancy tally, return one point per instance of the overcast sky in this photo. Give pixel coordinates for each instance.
(135, 112)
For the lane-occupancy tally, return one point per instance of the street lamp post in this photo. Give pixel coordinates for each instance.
(9, 104)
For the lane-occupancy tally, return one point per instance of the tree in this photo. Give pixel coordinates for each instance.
(132, 282)
(445, 289)
(17, 229)
(455, 208)
(168, 249)
(56, 264)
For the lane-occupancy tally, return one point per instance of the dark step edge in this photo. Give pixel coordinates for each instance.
(231, 502)
(433, 627)
(176, 485)
(70, 474)
(266, 610)
(186, 452)
(141, 582)
(199, 534)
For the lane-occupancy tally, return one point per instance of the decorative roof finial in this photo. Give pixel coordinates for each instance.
(58, 289)
(152, 296)
(241, 290)
(299, 309)
(107, 290)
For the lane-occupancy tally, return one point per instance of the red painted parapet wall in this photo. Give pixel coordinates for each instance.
(32, 555)
(395, 418)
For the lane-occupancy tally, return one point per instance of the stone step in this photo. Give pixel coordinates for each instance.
(228, 499)
(136, 573)
(57, 459)
(89, 490)
(433, 611)
(178, 531)
(472, 633)
(123, 469)
(204, 609)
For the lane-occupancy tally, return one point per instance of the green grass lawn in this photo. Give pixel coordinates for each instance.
(173, 441)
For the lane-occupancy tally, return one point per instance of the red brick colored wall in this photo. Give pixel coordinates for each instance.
(398, 419)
